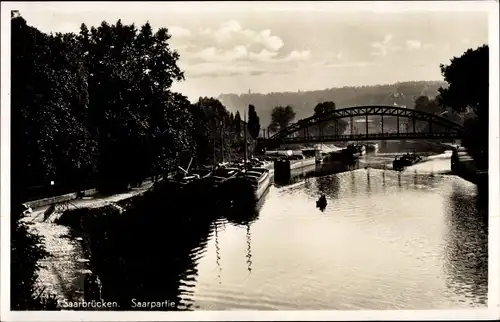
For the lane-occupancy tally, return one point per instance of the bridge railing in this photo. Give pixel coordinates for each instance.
(380, 136)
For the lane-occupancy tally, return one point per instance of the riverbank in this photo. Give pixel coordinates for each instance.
(62, 273)
(464, 166)
(128, 248)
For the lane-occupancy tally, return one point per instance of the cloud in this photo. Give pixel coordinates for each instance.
(231, 49)
(413, 44)
(236, 69)
(418, 45)
(177, 32)
(297, 56)
(232, 31)
(384, 47)
(343, 65)
(213, 54)
(264, 55)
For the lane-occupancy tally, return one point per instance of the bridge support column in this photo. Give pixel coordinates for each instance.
(352, 125)
(382, 123)
(413, 119)
(397, 122)
(366, 124)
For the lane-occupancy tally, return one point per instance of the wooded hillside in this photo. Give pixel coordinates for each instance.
(304, 102)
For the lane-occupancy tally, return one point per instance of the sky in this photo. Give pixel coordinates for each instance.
(228, 47)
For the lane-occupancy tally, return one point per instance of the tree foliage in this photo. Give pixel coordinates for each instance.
(468, 79)
(253, 122)
(324, 107)
(215, 132)
(237, 124)
(99, 104)
(281, 117)
(328, 107)
(425, 104)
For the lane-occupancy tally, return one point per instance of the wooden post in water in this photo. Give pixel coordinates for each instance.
(245, 138)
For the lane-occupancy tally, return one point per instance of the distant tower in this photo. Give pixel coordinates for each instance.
(249, 91)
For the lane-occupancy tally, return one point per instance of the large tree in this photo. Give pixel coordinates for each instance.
(132, 110)
(281, 116)
(324, 107)
(425, 104)
(213, 131)
(468, 79)
(327, 127)
(49, 102)
(253, 122)
(237, 124)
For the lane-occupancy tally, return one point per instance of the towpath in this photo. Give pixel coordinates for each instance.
(63, 272)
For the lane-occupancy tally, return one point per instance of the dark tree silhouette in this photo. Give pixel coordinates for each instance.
(253, 122)
(98, 104)
(281, 117)
(237, 124)
(468, 79)
(214, 128)
(425, 104)
(327, 107)
(324, 107)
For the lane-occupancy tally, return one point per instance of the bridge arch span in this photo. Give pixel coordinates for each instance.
(451, 128)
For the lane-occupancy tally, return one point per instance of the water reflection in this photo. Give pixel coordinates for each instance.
(140, 255)
(467, 246)
(393, 223)
(415, 242)
(368, 183)
(217, 250)
(249, 249)
(328, 185)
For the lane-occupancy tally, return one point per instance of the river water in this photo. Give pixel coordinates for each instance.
(386, 240)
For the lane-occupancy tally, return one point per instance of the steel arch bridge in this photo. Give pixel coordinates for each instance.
(324, 127)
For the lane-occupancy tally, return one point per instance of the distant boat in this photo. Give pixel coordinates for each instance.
(202, 173)
(405, 161)
(356, 150)
(183, 179)
(184, 176)
(372, 148)
(321, 202)
(259, 178)
(222, 175)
